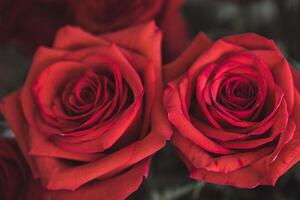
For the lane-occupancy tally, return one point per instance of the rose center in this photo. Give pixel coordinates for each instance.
(237, 93)
(87, 95)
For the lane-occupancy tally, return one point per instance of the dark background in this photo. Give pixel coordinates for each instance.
(168, 179)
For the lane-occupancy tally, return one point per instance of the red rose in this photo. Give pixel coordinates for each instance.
(90, 114)
(235, 105)
(108, 15)
(15, 177)
(35, 22)
(31, 23)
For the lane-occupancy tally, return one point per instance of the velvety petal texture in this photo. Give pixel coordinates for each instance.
(234, 104)
(90, 115)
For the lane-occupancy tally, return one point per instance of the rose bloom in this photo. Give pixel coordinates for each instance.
(100, 16)
(35, 22)
(90, 116)
(15, 178)
(30, 22)
(235, 106)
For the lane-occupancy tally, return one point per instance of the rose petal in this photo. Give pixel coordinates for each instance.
(280, 123)
(251, 41)
(281, 72)
(197, 158)
(174, 69)
(216, 51)
(144, 38)
(43, 58)
(108, 137)
(296, 77)
(71, 38)
(184, 126)
(58, 175)
(174, 28)
(127, 183)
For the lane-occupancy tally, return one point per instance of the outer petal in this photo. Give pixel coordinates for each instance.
(71, 38)
(174, 69)
(174, 27)
(251, 41)
(216, 51)
(246, 177)
(264, 171)
(42, 59)
(57, 174)
(144, 39)
(290, 153)
(296, 78)
(197, 158)
(116, 188)
(281, 72)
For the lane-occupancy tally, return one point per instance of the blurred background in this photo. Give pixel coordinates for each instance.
(168, 180)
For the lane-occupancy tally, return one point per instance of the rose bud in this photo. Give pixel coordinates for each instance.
(90, 113)
(235, 106)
